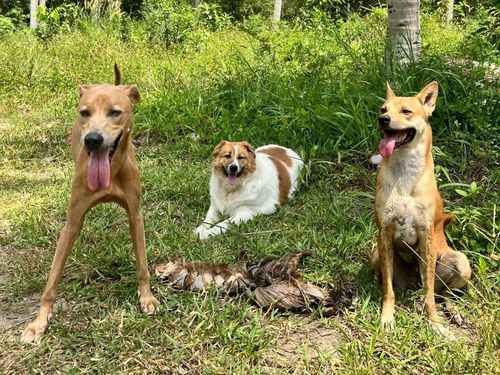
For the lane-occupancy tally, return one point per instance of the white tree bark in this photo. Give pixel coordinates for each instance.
(33, 9)
(403, 31)
(196, 3)
(449, 10)
(278, 4)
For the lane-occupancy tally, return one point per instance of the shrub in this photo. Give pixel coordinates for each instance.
(6, 25)
(57, 20)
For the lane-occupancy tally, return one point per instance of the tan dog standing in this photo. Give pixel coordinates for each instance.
(411, 243)
(105, 171)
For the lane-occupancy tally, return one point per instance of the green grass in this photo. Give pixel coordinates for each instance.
(317, 92)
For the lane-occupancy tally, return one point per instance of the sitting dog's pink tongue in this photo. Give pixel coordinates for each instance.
(98, 174)
(232, 179)
(387, 144)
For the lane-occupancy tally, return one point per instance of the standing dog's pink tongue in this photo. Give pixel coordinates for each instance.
(387, 144)
(98, 175)
(232, 179)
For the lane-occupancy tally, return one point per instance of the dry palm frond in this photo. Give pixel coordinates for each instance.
(271, 270)
(196, 276)
(270, 282)
(293, 295)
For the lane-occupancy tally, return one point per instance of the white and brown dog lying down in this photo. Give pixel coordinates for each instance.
(247, 182)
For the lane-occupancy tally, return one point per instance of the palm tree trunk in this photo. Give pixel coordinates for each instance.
(278, 4)
(33, 9)
(403, 31)
(449, 10)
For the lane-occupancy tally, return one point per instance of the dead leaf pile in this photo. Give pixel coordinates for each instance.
(269, 282)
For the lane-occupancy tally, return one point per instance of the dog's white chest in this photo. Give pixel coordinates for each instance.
(403, 215)
(397, 207)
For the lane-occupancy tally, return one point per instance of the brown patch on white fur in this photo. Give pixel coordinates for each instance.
(226, 152)
(278, 153)
(285, 182)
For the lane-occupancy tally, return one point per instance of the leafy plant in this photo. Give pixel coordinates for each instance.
(57, 20)
(6, 25)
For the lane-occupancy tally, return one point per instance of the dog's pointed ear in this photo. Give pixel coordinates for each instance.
(118, 76)
(217, 148)
(428, 96)
(84, 88)
(249, 148)
(133, 94)
(389, 93)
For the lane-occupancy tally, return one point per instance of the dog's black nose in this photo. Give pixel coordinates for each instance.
(384, 121)
(93, 141)
(233, 168)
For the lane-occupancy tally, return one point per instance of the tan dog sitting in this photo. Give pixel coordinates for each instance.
(411, 245)
(105, 171)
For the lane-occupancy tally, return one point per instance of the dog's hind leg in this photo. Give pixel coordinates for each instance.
(452, 272)
(77, 209)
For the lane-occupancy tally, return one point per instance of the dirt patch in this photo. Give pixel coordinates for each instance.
(301, 341)
(18, 313)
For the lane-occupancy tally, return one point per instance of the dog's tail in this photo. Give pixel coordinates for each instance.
(118, 76)
(447, 218)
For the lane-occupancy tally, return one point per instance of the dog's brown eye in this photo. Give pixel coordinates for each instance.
(241, 157)
(383, 110)
(406, 112)
(85, 113)
(114, 113)
(227, 156)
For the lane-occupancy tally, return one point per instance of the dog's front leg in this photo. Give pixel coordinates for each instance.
(77, 209)
(136, 223)
(242, 215)
(427, 266)
(386, 253)
(211, 218)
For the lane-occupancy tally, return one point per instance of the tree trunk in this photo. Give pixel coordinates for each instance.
(33, 9)
(403, 31)
(449, 11)
(277, 10)
(196, 3)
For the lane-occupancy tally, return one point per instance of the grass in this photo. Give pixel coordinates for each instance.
(228, 84)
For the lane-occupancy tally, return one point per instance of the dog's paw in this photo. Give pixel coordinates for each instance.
(201, 231)
(33, 332)
(441, 329)
(388, 322)
(149, 304)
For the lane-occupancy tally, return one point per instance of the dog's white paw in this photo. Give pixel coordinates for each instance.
(149, 304)
(201, 231)
(388, 322)
(34, 331)
(441, 329)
